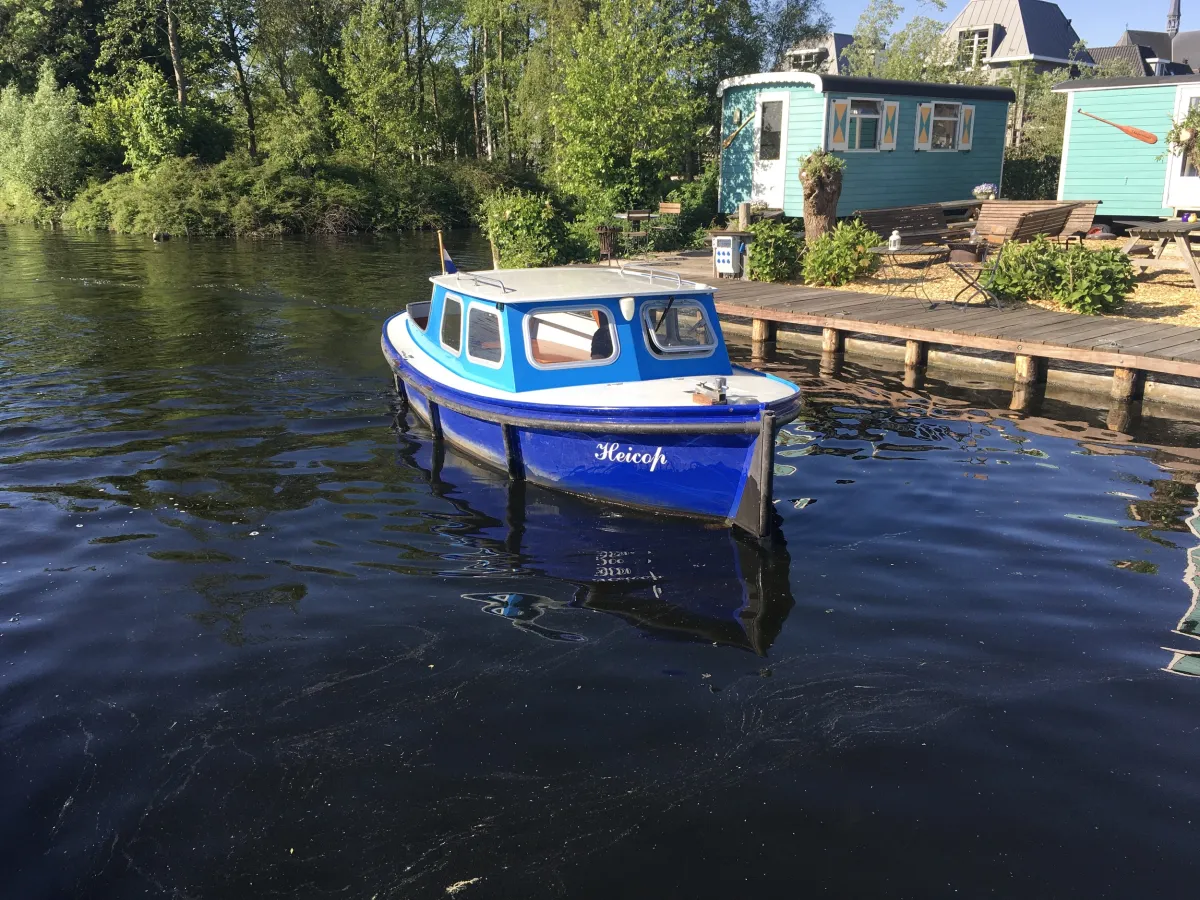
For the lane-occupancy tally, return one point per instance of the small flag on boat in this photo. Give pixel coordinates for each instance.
(448, 267)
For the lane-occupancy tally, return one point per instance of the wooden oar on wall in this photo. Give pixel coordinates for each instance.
(745, 122)
(1136, 133)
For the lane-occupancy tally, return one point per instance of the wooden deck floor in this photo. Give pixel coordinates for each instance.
(1130, 347)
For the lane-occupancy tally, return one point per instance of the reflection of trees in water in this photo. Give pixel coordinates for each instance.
(230, 601)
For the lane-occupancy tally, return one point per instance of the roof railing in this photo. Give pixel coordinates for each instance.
(476, 278)
(651, 273)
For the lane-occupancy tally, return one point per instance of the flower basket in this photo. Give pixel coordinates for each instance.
(985, 191)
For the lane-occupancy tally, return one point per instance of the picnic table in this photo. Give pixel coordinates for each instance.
(1158, 235)
(907, 266)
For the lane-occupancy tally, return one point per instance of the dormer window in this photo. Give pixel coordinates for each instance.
(809, 60)
(973, 47)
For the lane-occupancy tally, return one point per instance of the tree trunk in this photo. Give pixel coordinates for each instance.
(487, 103)
(235, 56)
(176, 56)
(821, 194)
(475, 93)
(504, 92)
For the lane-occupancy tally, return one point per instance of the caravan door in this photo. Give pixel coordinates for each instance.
(1183, 180)
(770, 149)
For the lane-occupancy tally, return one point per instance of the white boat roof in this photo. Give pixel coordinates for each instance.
(568, 283)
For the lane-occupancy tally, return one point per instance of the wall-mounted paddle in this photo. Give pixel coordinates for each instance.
(1136, 133)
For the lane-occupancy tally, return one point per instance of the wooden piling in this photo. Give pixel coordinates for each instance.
(916, 354)
(762, 339)
(833, 341)
(1029, 369)
(1128, 385)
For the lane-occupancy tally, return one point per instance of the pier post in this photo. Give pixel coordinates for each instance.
(1027, 395)
(1128, 385)
(833, 351)
(916, 354)
(1029, 369)
(762, 340)
(1122, 414)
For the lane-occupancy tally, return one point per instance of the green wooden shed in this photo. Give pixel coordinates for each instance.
(1130, 176)
(904, 142)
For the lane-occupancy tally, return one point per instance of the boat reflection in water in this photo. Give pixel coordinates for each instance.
(673, 579)
(1187, 662)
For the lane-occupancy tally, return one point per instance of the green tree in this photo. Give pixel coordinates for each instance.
(144, 120)
(628, 110)
(41, 139)
(374, 120)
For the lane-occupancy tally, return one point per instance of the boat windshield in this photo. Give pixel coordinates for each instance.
(570, 337)
(677, 326)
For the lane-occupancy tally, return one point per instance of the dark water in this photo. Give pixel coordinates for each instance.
(258, 639)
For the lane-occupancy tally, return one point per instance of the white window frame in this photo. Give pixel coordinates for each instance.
(462, 324)
(977, 59)
(675, 352)
(934, 118)
(858, 131)
(582, 364)
(492, 311)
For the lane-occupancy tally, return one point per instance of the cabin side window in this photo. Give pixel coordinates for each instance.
(484, 342)
(452, 324)
(418, 314)
(862, 131)
(560, 338)
(675, 327)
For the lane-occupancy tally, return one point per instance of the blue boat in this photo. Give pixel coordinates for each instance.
(610, 383)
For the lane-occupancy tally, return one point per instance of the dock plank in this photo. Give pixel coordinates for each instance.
(1128, 344)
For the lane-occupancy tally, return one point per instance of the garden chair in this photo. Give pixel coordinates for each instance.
(607, 236)
(637, 239)
(979, 278)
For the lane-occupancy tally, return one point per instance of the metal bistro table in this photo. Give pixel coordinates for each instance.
(1158, 235)
(908, 266)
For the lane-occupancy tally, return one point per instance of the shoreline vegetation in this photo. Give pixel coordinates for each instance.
(536, 119)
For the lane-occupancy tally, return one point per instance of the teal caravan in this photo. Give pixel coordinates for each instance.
(904, 142)
(1129, 175)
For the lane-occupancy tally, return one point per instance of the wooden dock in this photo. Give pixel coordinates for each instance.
(1033, 336)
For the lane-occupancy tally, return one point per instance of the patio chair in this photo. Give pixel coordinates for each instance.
(609, 243)
(637, 240)
(979, 278)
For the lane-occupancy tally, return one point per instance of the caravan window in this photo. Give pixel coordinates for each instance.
(863, 128)
(945, 126)
(559, 338)
(678, 326)
(770, 130)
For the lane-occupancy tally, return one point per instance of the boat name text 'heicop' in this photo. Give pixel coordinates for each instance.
(614, 453)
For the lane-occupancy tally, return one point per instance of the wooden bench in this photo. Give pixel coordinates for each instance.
(999, 219)
(922, 223)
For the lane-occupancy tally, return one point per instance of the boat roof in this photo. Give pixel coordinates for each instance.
(554, 285)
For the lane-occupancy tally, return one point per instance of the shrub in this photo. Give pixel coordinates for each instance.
(774, 252)
(41, 141)
(525, 228)
(1079, 279)
(841, 255)
(1029, 177)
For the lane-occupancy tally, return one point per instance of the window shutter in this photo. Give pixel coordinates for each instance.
(840, 125)
(966, 127)
(891, 124)
(924, 137)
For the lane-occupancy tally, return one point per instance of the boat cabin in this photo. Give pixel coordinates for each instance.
(530, 329)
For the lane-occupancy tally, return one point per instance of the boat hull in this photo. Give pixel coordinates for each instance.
(717, 466)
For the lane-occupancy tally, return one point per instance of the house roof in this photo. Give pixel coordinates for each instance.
(1024, 29)
(1159, 42)
(851, 84)
(1186, 48)
(1123, 56)
(1104, 84)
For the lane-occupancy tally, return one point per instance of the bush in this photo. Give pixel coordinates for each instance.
(41, 142)
(1079, 279)
(1029, 177)
(841, 255)
(774, 252)
(526, 229)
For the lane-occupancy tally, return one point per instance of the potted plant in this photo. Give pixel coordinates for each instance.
(1182, 138)
(986, 191)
